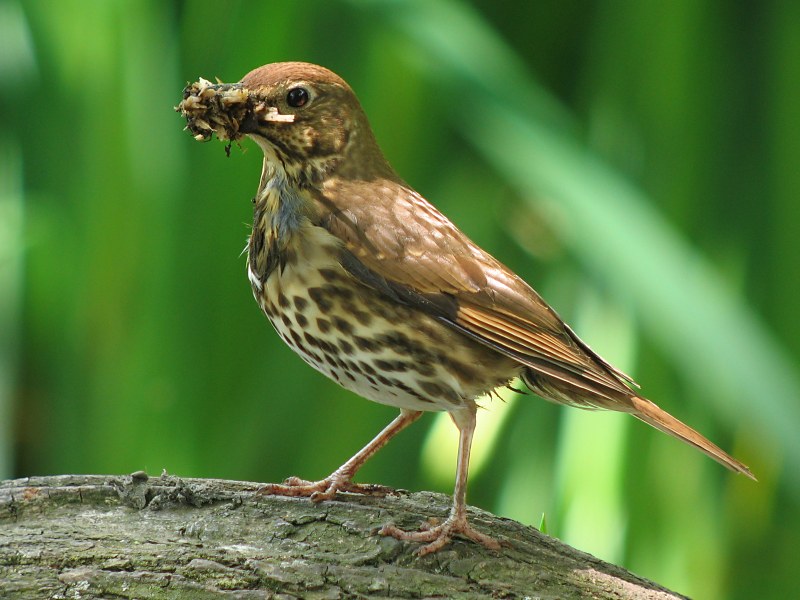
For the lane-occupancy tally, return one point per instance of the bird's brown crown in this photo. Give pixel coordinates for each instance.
(274, 74)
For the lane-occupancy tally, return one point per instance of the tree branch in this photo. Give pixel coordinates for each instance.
(94, 536)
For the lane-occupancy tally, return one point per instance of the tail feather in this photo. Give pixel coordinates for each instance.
(652, 415)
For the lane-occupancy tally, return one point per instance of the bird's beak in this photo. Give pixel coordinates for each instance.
(228, 109)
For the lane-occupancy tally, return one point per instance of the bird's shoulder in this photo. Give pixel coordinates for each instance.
(396, 234)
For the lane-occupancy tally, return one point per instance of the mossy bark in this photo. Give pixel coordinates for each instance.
(92, 536)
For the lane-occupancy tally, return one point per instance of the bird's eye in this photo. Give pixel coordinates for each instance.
(297, 97)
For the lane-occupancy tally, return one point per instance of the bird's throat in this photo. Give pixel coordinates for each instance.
(280, 212)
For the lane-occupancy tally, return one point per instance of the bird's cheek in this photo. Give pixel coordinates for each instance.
(326, 142)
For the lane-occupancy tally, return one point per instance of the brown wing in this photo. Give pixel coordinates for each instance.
(406, 248)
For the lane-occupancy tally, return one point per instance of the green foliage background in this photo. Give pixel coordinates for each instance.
(637, 161)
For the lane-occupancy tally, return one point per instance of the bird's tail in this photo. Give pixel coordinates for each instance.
(662, 420)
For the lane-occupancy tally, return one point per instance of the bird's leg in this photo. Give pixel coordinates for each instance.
(438, 536)
(341, 480)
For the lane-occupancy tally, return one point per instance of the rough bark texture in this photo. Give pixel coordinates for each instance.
(165, 537)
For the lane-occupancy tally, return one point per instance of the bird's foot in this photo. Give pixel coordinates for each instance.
(325, 489)
(437, 536)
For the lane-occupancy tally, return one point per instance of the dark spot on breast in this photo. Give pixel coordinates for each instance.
(324, 325)
(424, 368)
(397, 341)
(365, 344)
(391, 365)
(283, 301)
(286, 320)
(362, 317)
(393, 313)
(297, 341)
(328, 274)
(301, 320)
(401, 344)
(439, 391)
(317, 358)
(311, 340)
(326, 346)
(432, 333)
(461, 370)
(319, 297)
(367, 368)
(342, 325)
(346, 346)
(432, 388)
(300, 303)
(410, 391)
(345, 293)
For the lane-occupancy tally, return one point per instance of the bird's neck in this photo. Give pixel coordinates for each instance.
(281, 206)
(281, 212)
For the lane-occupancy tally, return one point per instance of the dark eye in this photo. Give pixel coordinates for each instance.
(297, 97)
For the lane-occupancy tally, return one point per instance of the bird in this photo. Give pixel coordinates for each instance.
(375, 288)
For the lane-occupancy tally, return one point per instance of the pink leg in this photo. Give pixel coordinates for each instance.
(437, 537)
(341, 480)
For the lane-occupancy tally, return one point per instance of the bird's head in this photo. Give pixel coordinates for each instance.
(309, 123)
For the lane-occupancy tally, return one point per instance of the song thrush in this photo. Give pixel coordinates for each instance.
(375, 288)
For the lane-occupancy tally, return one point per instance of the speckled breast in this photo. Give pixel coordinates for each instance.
(384, 351)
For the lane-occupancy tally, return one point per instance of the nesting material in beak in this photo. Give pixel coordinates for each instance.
(222, 109)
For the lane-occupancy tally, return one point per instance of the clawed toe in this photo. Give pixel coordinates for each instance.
(297, 482)
(438, 536)
(325, 489)
(292, 487)
(369, 489)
